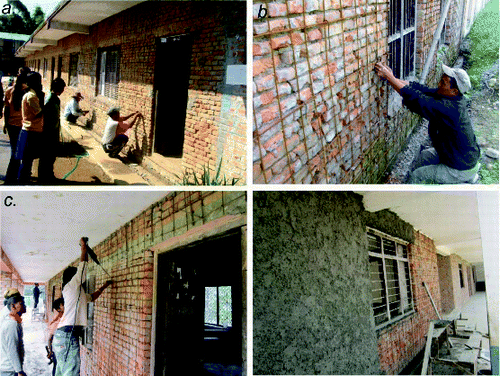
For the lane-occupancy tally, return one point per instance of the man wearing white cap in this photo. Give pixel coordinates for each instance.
(454, 157)
(72, 110)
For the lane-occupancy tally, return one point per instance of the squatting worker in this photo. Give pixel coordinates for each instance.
(115, 135)
(11, 334)
(72, 111)
(66, 345)
(454, 156)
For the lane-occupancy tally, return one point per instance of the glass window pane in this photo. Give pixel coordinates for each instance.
(395, 57)
(211, 305)
(379, 302)
(374, 243)
(389, 247)
(225, 306)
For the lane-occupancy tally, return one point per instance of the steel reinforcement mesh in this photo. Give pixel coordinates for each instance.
(320, 111)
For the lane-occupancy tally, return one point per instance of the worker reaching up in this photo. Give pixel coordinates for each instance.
(66, 344)
(454, 156)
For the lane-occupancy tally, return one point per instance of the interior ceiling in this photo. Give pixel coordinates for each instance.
(40, 232)
(450, 218)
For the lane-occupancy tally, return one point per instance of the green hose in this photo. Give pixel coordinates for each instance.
(78, 157)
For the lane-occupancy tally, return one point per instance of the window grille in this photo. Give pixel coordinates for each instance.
(109, 69)
(218, 306)
(88, 334)
(402, 22)
(390, 278)
(73, 70)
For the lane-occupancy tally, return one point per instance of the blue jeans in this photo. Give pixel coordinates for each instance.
(66, 348)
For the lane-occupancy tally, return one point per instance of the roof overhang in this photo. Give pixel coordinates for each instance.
(70, 17)
(40, 230)
(450, 218)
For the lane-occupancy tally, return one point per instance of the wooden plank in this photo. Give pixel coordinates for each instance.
(474, 341)
(428, 346)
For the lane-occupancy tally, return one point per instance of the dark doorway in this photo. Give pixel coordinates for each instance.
(199, 309)
(172, 71)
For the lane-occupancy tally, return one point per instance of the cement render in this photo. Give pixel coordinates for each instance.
(312, 299)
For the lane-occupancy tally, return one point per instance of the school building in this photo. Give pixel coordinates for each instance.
(181, 64)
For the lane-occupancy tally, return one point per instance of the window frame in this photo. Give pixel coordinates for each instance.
(401, 34)
(218, 307)
(73, 69)
(102, 88)
(88, 334)
(408, 282)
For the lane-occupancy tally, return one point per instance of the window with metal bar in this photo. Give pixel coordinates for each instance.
(402, 37)
(109, 70)
(390, 278)
(218, 306)
(73, 69)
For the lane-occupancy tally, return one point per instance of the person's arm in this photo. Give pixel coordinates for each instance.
(125, 118)
(11, 340)
(99, 291)
(384, 72)
(49, 345)
(84, 256)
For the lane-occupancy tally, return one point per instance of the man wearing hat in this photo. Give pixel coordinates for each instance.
(115, 135)
(11, 334)
(72, 110)
(454, 155)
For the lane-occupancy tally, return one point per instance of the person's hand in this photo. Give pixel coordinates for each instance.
(383, 71)
(84, 240)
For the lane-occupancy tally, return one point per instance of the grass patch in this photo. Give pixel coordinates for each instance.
(484, 37)
(489, 176)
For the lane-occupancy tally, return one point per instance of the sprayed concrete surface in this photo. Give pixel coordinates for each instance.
(312, 299)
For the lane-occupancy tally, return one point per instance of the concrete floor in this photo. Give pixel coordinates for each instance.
(474, 311)
(35, 340)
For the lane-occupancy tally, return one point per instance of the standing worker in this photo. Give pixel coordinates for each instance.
(66, 343)
(11, 334)
(13, 122)
(30, 140)
(454, 156)
(57, 306)
(36, 294)
(51, 131)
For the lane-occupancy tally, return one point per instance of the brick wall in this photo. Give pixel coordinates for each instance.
(123, 314)
(212, 104)
(401, 342)
(9, 276)
(446, 283)
(320, 112)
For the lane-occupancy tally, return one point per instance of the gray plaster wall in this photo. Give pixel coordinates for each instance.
(312, 301)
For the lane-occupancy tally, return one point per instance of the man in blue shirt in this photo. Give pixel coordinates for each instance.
(454, 157)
